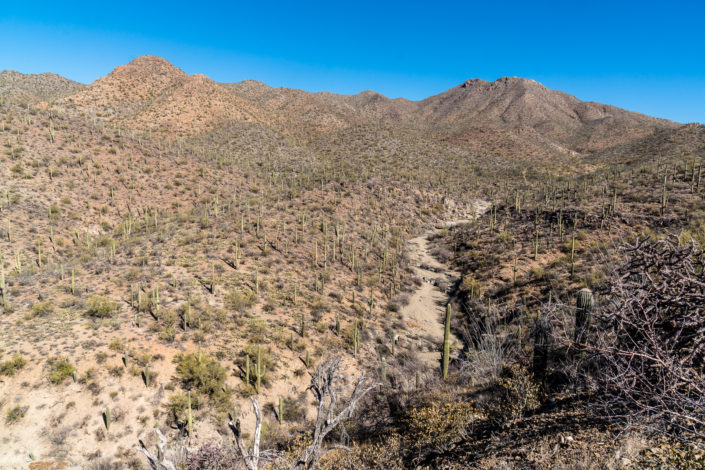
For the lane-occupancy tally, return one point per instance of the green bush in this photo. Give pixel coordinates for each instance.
(42, 309)
(100, 307)
(13, 365)
(205, 376)
(116, 345)
(15, 414)
(60, 370)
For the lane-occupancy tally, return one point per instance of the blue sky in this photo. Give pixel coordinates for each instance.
(644, 56)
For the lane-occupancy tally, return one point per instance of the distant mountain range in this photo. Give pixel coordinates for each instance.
(513, 117)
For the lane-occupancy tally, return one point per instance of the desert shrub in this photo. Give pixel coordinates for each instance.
(11, 366)
(504, 237)
(318, 307)
(489, 352)
(116, 371)
(178, 406)
(439, 425)
(211, 457)
(60, 370)
(42, 309)
(538, 273)
(294, 409)
(15, 414)
(116, 345)
(386, 453)
(674, 455)
(471, 286)
(257, 327)
(240, 300)
(205, 375)
(695, 233)
(168, 319)
(100, 307)
(518, 393)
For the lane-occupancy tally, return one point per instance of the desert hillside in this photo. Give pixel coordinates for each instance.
(172, 247)
(32, 88)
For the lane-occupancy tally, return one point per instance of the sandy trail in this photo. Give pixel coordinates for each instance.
(425, 313)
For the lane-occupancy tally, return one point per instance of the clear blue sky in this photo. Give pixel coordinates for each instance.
(645, 55)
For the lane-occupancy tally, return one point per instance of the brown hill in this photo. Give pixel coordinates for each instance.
(300, 112)
(150, 93)
(379, 106)
(129, 87)
(33, 88)
(533, 113)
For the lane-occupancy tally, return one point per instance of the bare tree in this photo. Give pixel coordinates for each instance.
(158, 461)
(251, 459)
(330, 413)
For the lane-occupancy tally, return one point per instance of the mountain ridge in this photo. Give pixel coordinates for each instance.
(513, 116)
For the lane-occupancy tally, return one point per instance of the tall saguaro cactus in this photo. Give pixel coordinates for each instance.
(446, 343)
(260, 369)
(189, 417)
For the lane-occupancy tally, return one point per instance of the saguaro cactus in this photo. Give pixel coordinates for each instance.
(664, 197)
(542, 344)
(356, 338)
(446, 343)
(281, 411)
(260, 370)
(189, 417)
(2, 285)
(584, 303)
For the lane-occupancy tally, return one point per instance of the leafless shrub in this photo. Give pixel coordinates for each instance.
(650, 344)
(211, 457)
(489, 352)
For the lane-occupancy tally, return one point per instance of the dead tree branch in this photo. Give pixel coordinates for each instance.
(330, 414)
